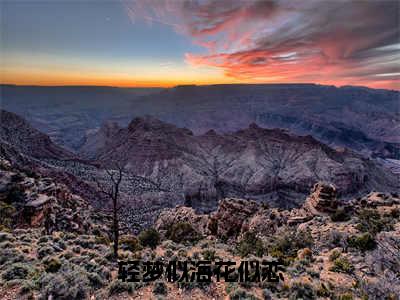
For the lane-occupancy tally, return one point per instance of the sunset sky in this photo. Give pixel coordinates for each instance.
(166, 43)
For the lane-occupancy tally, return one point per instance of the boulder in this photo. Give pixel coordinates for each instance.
(227, 221)
(171, 216)
(322, 199)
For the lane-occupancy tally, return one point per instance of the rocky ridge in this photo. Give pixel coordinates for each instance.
(272, 166)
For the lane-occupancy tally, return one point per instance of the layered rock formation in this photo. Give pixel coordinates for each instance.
(35, 201)
(15, 131)
(261, 164)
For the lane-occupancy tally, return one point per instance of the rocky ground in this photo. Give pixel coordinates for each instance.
(53, 245)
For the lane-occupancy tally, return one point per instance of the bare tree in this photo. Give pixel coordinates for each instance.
(112, 191)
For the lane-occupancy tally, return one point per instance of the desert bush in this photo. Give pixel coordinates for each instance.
(67, 254)
(363, 242)
(250, 244)
(5, 236)
(182, 253)
(340, 215)
(160, 288)
(267, 295)
(208, 254)
(395, 213)
(342, 265)
(85, 242)
(205, 286)
(129, 242)
(323, 291)
(213, 226)
(76, 249)
(118, 287)
(149, 238)
(336, 239)
(10, 256)
(241, 294)
(301, 290)
(45, 251)
(182, 232)
(44, 239)
(52, 264)
(95, 280)
(93, 267)
(345, 297)
(101, 261)
(4, 228)
(27, 286)
(26, 238)
(170, 245)
(16, 271)
(287, 244)
(371, 221)
(70, 282)
(101, 239)
(7, 212)
(334, 255)
(70, 236)
(16, 194)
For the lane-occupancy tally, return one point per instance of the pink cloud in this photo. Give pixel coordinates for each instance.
(335, 42)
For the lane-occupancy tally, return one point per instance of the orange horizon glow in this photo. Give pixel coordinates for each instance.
(168, 43)
(170, 83)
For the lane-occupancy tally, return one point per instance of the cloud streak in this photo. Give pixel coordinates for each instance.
(334, 42)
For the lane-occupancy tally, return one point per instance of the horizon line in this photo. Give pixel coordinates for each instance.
(196, 85)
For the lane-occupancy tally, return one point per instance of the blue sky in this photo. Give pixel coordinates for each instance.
(165, 43)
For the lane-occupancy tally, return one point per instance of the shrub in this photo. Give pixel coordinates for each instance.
(213, 226)
(208, 254)
(340, 215)
(129, 242)
(85, 242)
(287, 244)
(45, 251)
(7, 212)
(5, 236)
(336, 239)
(342, 265)
(70, 282)
(346, 297)
(323, 291)
(52, 265)
(102, 240)
(371, 221)
(27, 286)
(118, 287)
(16, 194)
(44, 239)
(95, 280)
(16, 271)
(67, 254)
(267, 294)
(250, 244)
(240, 294)
(182, 232)
(10, 256)
(149, 238)
(76, 249)
(395, 213)
(363, 242)
(300, 290)
(334, 255)
(160, 288)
